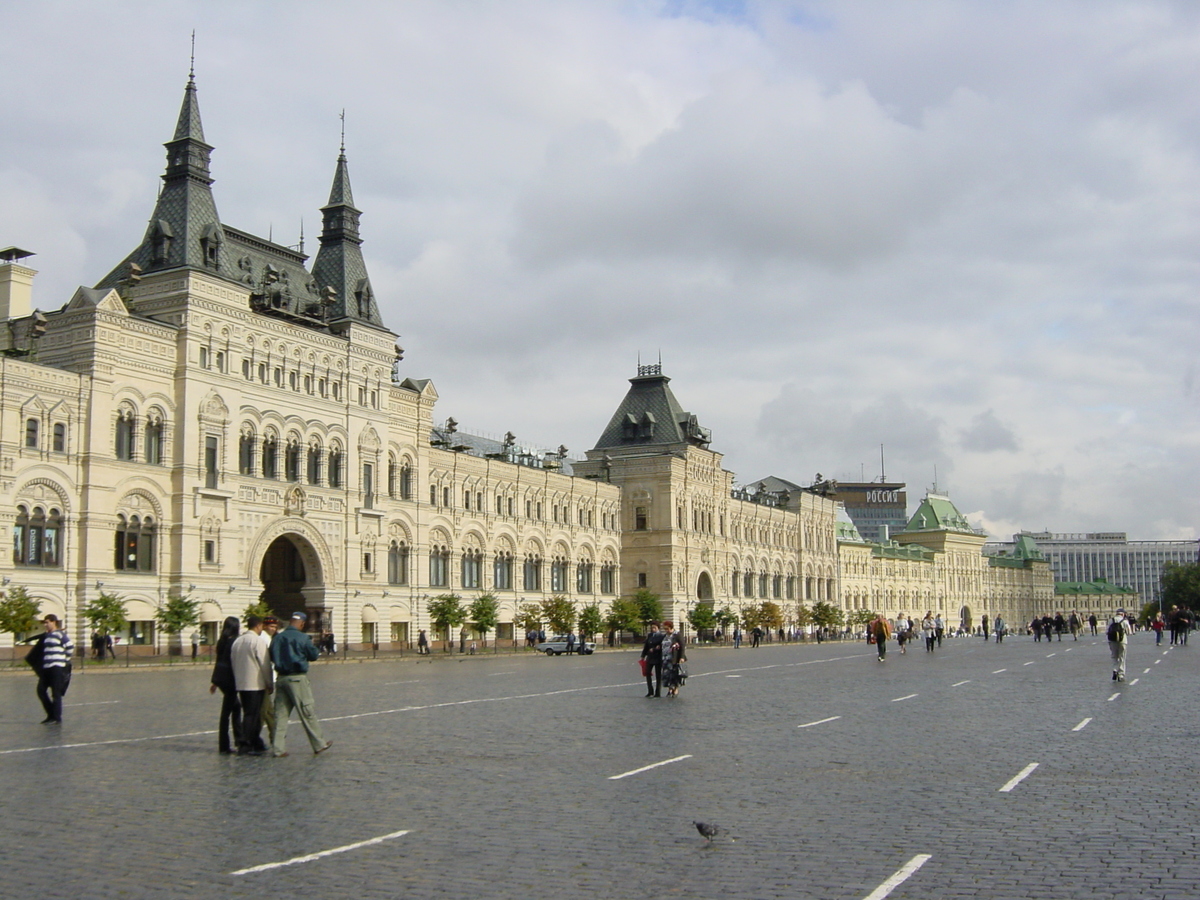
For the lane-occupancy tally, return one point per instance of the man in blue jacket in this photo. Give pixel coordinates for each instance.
(291, 652)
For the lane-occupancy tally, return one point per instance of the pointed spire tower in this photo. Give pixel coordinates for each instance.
(339, 263)
(184, 230)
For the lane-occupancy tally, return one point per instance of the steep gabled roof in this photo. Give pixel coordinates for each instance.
(650, 416)
(937, 513)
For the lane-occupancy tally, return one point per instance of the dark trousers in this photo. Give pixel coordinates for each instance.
(231, 714)
(251, 733)
(50, 691)
(654, 677)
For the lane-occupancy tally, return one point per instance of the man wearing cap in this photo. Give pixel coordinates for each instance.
(1119, 630)
(291, 652)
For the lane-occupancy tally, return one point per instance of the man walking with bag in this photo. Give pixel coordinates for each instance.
(291, 652)
(51, 659)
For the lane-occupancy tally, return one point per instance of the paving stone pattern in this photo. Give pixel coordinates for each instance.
(499, 767)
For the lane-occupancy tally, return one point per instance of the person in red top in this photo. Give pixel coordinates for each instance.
(1158, 625)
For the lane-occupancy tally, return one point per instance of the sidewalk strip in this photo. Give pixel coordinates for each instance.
(905, 697)
(957, 683)
(311, 856)
(819, 722)
(649, 767)
(902, 875)
(1018, 778)
(1082, 725)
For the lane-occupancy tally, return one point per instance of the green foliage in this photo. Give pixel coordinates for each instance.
(703, 618)
(826, 615)
(260, 609)
(751, 616)
(623, 615)
(446, 611)
(19, 612)
(106, 614)
(803, 616)
(528, 617)
(591, 621)
(772, 615)
(178, 613)
(559, 613)
(649, 606)
(484, 613)
(1181, 585)
(860, 618)
(726, 617)
(1146, 616)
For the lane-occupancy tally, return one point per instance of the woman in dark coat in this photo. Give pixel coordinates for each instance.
(222, 677)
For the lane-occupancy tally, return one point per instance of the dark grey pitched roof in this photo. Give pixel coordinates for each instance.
(651, 416)
(339, 264)
(485, 447)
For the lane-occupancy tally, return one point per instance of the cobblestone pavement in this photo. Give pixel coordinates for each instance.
(499, 772)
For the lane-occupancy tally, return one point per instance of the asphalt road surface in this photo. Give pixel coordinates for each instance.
(1005, 771)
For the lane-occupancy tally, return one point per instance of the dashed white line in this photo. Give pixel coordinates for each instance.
(1157, 661)
(1048, 655)
(1082, 725)
(494, 674)
(1018, 778)
(957, 683)
(1113, 697)
(1030, 663)
(905, 697)
(1135, 681)
(1145, 671)
(998, 671)
(819, 722)
(413, 681)
(94, 703)
(665, 762)
(311, 856)
(136, 740)
(733, 676)
(902, 875)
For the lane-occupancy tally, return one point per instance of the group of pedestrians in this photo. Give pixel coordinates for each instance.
(264, 662)
(663, 660)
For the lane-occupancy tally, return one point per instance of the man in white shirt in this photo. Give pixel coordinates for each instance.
(251, 659)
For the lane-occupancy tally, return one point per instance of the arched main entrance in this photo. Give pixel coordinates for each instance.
(291, 578)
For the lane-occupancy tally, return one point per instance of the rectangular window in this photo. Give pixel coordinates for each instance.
(204, 357)
(60, 438)
(210, 551)
(246, 368)
(31, 433)
(308, 384)
(368, 561)
(210, 461)
(368, 485)
(446, 497)
(220, 360)
(640, 519)
(641, 580)
(262, 372)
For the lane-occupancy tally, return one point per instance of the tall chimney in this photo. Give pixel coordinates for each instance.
(16, 284)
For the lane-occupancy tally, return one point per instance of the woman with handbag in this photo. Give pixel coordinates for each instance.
(222, 677)
(673, 656)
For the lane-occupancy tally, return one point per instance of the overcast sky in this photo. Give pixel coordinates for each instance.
(969, 232)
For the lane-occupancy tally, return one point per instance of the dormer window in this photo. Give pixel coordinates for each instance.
(161, 240)
(210, 244)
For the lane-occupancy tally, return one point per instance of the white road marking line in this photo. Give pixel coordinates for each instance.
(1030, 663)
(902, 875)
(819, 722)
(1165, 652)
(413, 681)
(1068, 650)
(1113, 697)
(1048, 655)
(649, 767)
(957, 683)
(733, 676)
(1145, 671)
(998, 671)
(1157, 661)
(509, 672)
(905, 697)
(1018, 778)
(311, 856)
(1135, 681)
(137, 740)
(1082, 725)
(94, 703)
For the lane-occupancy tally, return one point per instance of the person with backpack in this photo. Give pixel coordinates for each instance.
(1118, 642)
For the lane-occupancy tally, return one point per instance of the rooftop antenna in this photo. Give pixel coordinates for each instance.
(192, 64)
(882, 467)
(342, 151)
(935, 487)
(271, 232)
(302, 234)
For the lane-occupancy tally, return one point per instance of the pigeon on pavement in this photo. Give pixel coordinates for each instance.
(707, 829)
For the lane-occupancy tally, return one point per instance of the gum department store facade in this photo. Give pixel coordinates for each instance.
(216, 419)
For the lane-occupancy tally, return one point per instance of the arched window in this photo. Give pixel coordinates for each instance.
(314, 462)
(439, 566)
(472, 566)
(36, 536)
(406, 482)
(60, 438)
(608, 578)
(153, 439)
(502, 571)
(246, 452)
(291, 459)
(336, 467)
(135, 544)
(270, 457)
(32, 433)
(558, 575)
(398, 563)
(125, 434)
(533, 573)
(392, 474)
(583, 577)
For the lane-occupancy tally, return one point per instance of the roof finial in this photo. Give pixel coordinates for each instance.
(302, 234)
(342, 151)
(192, 65)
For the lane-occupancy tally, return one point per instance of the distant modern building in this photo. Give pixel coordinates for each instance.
(1108, 555)
(877, 509)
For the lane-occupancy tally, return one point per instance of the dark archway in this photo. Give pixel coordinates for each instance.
(704, 587)
(288, 580)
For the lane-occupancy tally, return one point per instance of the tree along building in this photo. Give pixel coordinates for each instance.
(218, 420)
